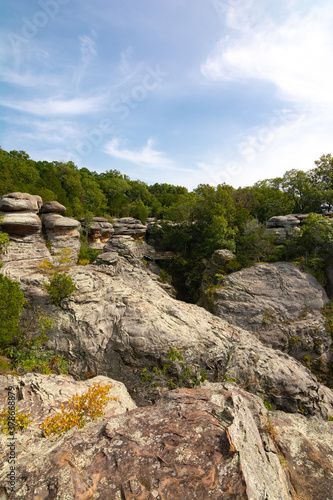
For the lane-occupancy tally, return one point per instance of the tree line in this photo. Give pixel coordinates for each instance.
(194, 224)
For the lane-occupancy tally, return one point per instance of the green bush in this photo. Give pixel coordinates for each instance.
(60, 288)
(11, 304)
(87, 255)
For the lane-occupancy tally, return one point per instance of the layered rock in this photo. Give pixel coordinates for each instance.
(128, 226)
(99, 232)
(62, 233)
(280, 305)
(126, 246)
(21, 222)
(119, 321)
(20, 202)
(214, 442)
(51, 207)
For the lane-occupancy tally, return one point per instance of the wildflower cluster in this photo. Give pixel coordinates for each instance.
(89, 405)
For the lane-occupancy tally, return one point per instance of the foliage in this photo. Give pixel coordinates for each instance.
(173, 375)
(4, 238)
(28, 353)
(21, 422)
(11, 304)
(60, 287)
(79, 409)
(87, 255)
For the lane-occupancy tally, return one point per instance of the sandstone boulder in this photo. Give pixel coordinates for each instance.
(281, 305)
(62, 233)
(52, 207)
(213, 442)
(128, 226)
(108, 258)
(283, 221)
(99, 232)
(20, 202)
(126, 246)
(21, 224)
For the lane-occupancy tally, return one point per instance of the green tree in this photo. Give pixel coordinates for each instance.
(11, 304)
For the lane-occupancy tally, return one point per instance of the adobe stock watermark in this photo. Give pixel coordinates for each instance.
(220, 6)
(32, 25)
(122, 106)
(252, 146)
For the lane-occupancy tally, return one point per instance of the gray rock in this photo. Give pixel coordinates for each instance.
(281, 305)
(20, 202)
(128, 226)
(53, 207)
(283, 221)
(62, 233)
(120, 322)
(108, 258)
(21, 224)
(204, 443)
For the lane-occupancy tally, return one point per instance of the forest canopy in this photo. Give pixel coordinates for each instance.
(192, 224)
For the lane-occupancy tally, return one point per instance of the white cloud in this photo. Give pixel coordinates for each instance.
(147, 156)
(293, 54)
(77, 106)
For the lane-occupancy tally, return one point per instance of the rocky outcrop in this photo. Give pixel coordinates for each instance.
(21, 222)
(52, 207)
(127, 226)
(281, 306)
(215, 442)
(62, 232)
(20, 202)
(119, 321)
(99, 232)
(126, 246)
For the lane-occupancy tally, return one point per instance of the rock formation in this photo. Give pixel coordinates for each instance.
(128, 226)
(99, 232)
(215, 442)
(20, 220)
(281, 306)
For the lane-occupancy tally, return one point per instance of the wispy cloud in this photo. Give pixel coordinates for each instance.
(88, 49)
(146, 156)
(292, 53)
(47, 107)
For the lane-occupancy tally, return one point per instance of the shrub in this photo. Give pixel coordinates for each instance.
(60, 288)
(20, 423)
(89, 405)
(11, 304)
(87, 255)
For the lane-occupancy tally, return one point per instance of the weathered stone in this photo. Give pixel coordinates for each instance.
(306, 453)
(130, 227)
(21, 224)
(53, 207)
(119, 321)
(59, 223)
(283, 221)
(100, 231)
(127, 247)
(109, 258)
(20, 202)
(62, 233)
(281, 305)
(204, 443)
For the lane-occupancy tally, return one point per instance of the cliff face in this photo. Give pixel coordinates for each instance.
(192, 443)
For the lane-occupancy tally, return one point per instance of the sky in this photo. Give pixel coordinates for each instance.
(177, 91)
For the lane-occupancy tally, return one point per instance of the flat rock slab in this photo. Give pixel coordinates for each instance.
(20, 202)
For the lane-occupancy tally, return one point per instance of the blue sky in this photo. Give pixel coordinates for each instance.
(177, 91)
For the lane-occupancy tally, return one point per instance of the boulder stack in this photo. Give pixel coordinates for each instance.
(21, 222)
(99, 232)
